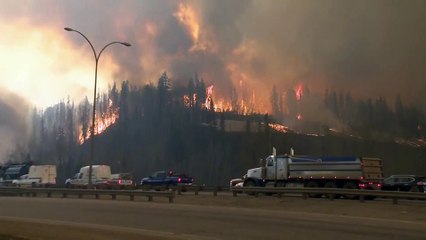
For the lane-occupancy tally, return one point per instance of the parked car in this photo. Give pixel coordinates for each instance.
(407, 183)
(166, 179)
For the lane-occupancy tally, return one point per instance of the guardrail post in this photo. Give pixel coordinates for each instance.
(234, 193)
(197, 189)
(64, 195)
(132, 197)
(34, 194)
(395, 200)
(179, 190)
(215, 191)
(49, 194)
(256, 194)
(149, 198)
(97, 196)
(361, 198)
(80, 195)
(113, 196)
(305, 196)
(170, 199)
(279, 195)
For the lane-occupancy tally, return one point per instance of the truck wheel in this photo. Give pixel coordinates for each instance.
(331, 185)
(350, 185)
(313, 184)
(249, 183)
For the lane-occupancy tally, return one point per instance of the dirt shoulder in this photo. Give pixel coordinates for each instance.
(379, 208)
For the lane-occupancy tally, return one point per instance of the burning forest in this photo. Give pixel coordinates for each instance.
(244, 73)
(154, 121)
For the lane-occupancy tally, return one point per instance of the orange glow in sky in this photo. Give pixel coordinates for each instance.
(42, 66)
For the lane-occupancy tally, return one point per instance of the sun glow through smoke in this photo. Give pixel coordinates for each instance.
(41, 65)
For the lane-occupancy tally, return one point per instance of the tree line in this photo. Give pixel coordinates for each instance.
(158, 128)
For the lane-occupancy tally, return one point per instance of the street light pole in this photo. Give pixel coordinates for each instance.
(92, 130)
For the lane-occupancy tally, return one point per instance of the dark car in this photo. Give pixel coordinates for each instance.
(407, 183)
(167, 179)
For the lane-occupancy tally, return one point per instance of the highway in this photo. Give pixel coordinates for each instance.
(207, 217)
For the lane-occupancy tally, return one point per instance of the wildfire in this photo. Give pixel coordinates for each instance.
(103, 121)
(299, 92)
(279, 128)
(209, 98)
(240, 106)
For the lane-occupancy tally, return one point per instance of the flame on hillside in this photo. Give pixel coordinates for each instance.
(102, 122)
(279, 128)
(241, 106)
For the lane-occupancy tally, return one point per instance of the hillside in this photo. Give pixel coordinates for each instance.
(213, 156)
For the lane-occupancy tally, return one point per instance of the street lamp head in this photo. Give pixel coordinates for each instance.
(68, 29)
(126, 44)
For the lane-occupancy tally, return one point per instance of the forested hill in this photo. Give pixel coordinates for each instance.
(150, 128)
(213, 156)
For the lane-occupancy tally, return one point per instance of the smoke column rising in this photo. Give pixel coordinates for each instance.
(371, 48)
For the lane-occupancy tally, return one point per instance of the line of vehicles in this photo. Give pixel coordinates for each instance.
(29, 175)
(103, 179)
(288, 170)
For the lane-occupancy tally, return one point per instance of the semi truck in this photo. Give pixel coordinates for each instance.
(348, 172)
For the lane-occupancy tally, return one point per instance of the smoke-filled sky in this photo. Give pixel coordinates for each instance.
(368, 47)
(371, 48)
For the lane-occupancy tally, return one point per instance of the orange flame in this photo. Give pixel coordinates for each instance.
(279, 128)
(209, 97)
(299, 92)
(102, 122)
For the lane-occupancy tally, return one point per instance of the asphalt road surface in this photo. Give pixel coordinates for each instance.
(207, 217)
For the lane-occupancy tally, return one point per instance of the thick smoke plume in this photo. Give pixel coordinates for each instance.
(370, 48)
(13, 131)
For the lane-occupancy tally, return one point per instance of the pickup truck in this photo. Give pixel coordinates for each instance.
(166, 179)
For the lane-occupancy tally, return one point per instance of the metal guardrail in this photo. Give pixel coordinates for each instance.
(197, 189)
(15, 191)
(170, 192)
(187, 188)
(331, 193)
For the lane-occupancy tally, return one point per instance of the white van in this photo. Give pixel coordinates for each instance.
(38, 175)
(100, 173)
